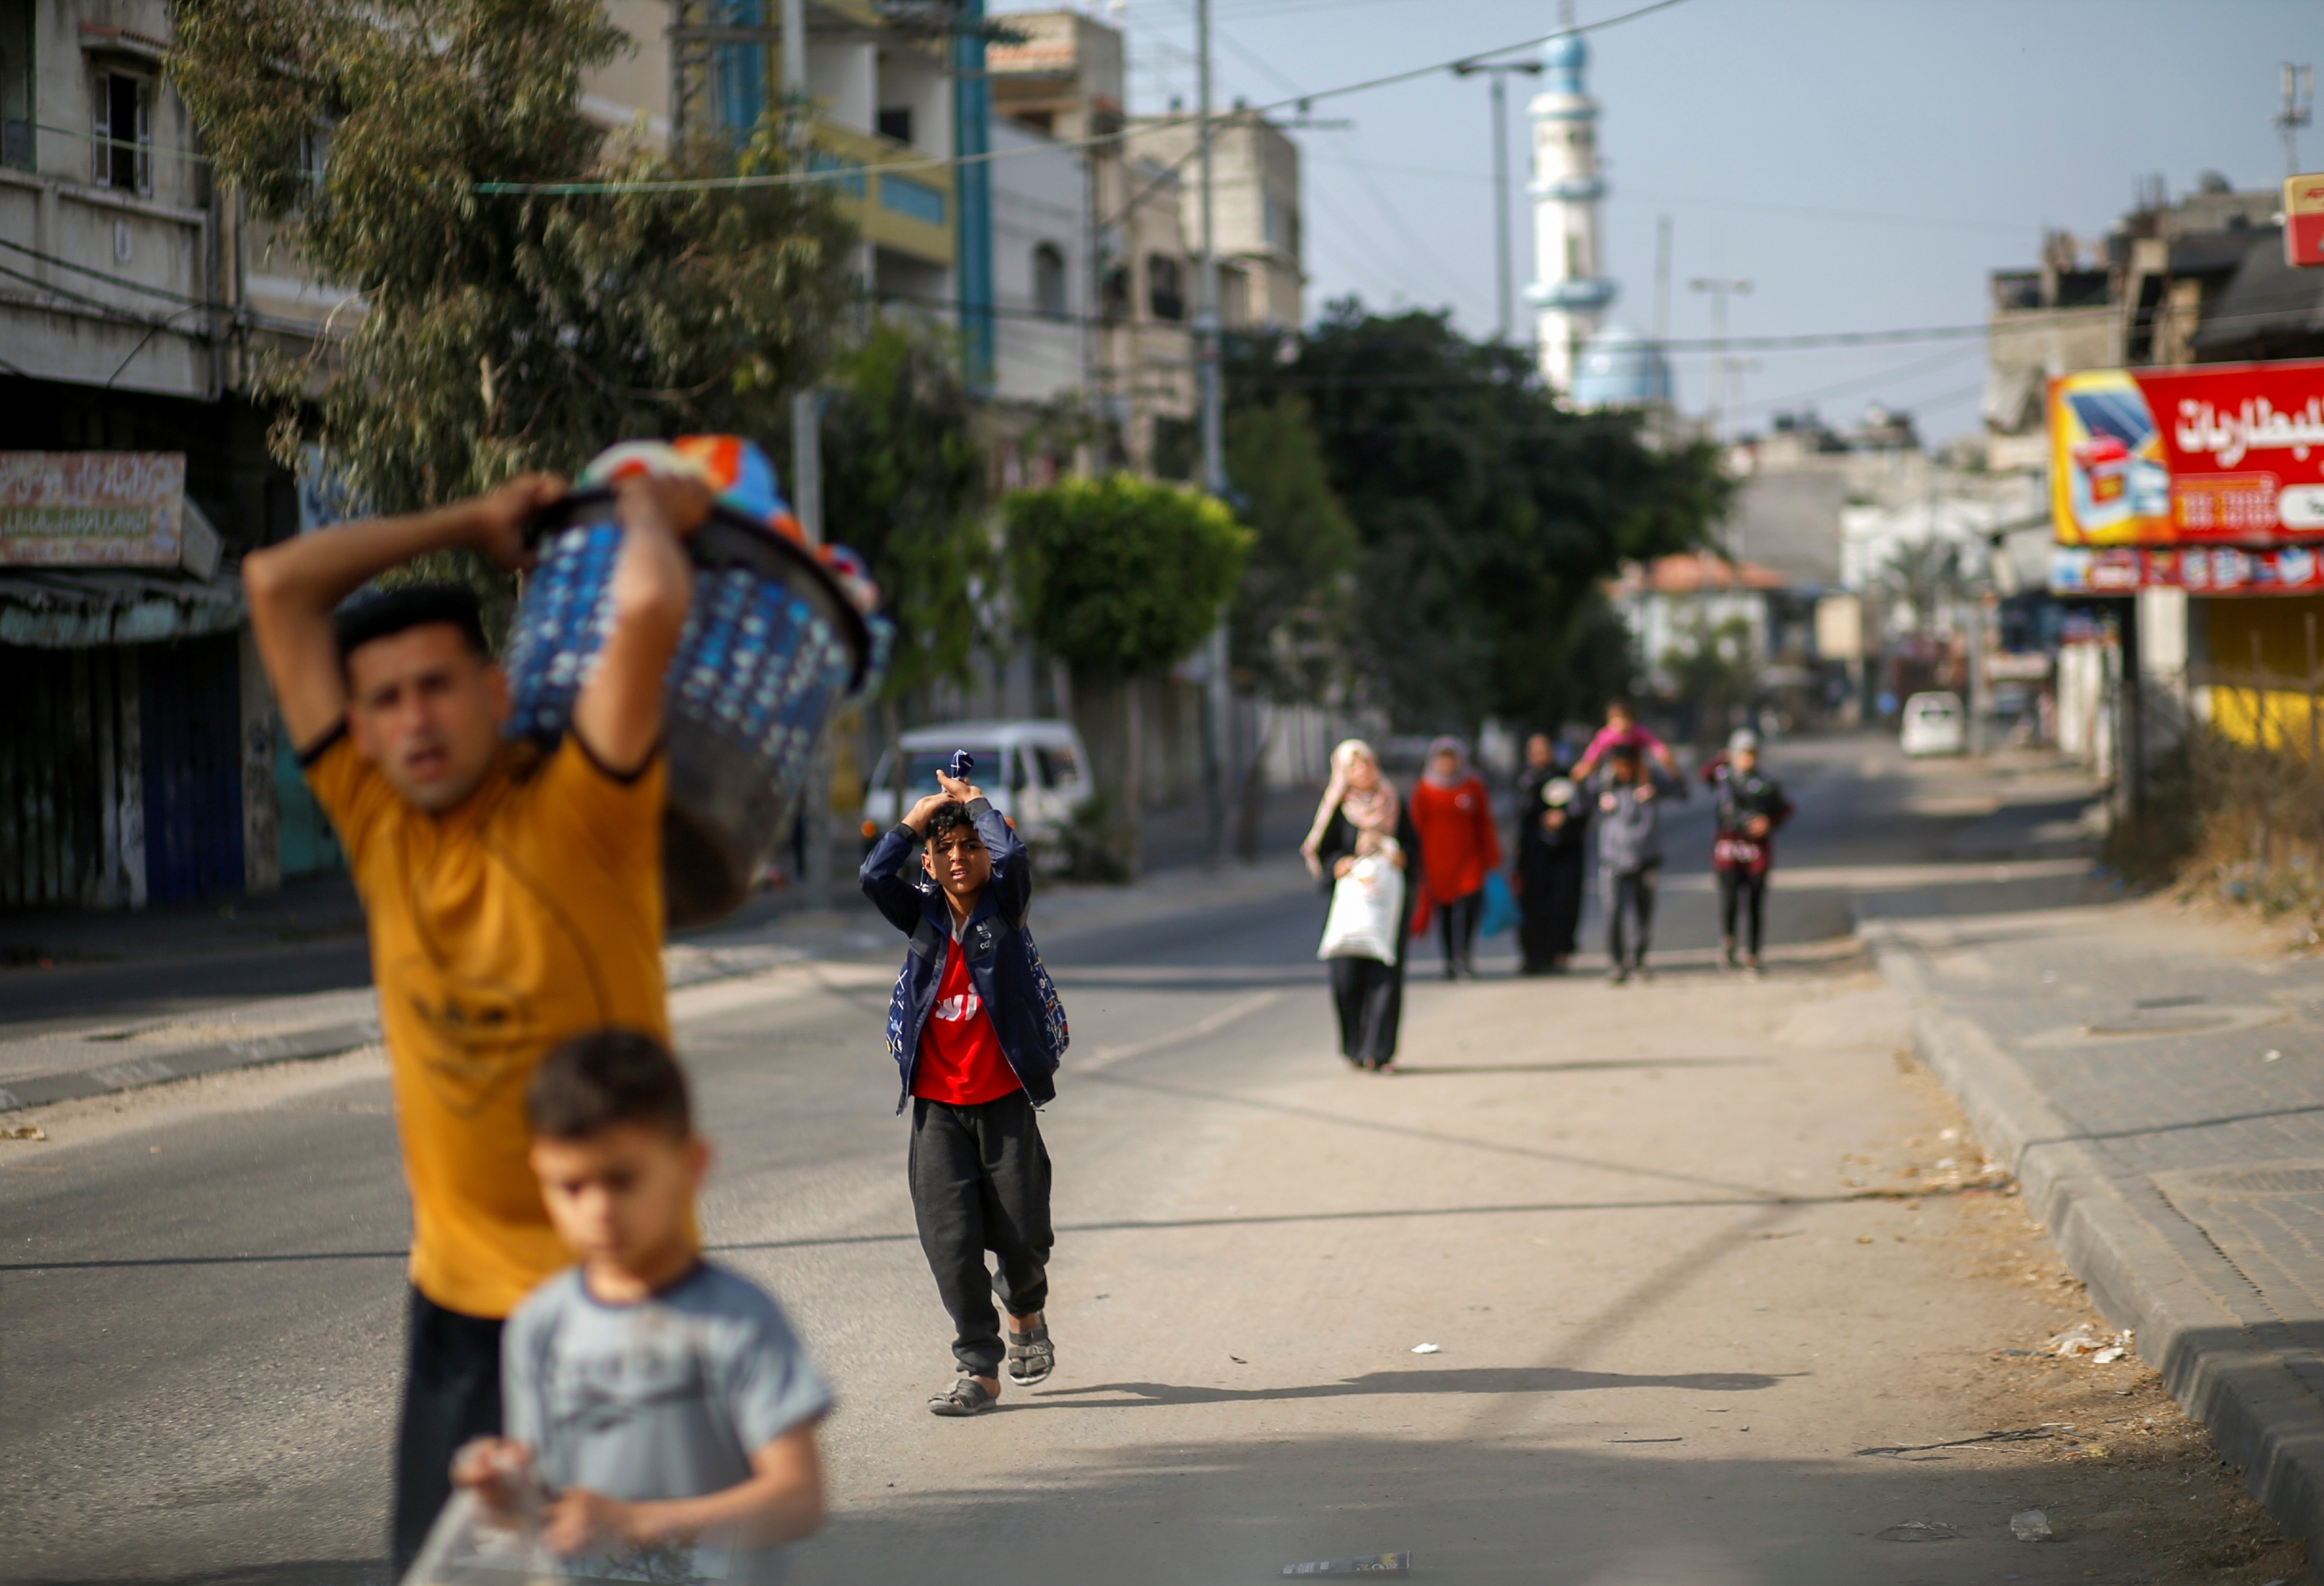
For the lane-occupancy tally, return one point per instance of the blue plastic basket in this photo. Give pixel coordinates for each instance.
(771, 653)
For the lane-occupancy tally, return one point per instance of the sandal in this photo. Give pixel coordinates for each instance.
(1031, 1357)
(965, 1398)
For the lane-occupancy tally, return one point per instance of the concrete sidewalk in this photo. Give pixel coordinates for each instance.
(2156, 1083)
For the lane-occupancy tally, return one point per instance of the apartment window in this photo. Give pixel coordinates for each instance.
(122, 125)
(314, 163)
(1177, 446)
(16, 84)
(1165, 289)
(1049, 280)
(896, 122)
(1279, 223)
(1113, 292)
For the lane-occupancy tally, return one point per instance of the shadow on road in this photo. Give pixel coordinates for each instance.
(1456, 1380)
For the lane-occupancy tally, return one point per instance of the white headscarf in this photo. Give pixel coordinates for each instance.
(1374, 811)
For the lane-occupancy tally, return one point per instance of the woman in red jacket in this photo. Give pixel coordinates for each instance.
(1455, 817)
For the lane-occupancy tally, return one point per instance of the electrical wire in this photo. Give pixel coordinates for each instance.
(1949, 355)
(937, 162)
(109, 279)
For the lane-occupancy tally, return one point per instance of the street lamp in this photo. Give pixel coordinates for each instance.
(1498, 71)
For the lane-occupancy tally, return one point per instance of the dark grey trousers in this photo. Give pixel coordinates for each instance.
(1630, 893)
(451, 1393)
(980, 1180)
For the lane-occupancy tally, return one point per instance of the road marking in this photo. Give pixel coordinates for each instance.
(1209, 1024)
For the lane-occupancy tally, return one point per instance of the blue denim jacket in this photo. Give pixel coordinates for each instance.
(1001, 962)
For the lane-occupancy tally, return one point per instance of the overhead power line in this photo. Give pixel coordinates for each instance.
(944, 163)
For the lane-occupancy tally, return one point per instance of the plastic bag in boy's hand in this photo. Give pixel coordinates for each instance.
(474, 1544)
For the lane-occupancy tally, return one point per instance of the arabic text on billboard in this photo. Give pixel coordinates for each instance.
(2232, 454)
(91, 509)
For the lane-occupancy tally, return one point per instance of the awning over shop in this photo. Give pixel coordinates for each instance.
(2267, 310)
(54, 608)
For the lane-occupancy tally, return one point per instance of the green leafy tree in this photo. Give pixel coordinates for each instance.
(903, 483)
(1119, 577)
(1489, 516)
(1287, 627)
(1712, 674)
(496, 333)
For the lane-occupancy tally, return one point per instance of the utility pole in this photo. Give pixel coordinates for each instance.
(1661, 279)
(1721, 288)
(1219, 696)
(807, 475)
(1498, 72)
(2299, 99)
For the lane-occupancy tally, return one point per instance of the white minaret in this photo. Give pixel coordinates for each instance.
(1569, 292)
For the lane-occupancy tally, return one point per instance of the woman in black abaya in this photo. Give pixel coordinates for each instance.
(1553, 828)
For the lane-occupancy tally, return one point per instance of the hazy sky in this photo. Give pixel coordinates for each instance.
(1863, 163)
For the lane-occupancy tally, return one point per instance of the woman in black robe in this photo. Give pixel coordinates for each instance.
(1359, 809)
(1553, 849)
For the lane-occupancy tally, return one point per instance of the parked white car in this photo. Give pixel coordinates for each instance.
(1036, 772)
(1934, 724)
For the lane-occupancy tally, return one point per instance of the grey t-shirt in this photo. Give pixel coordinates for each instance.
(665, 1398)
(1629, 834)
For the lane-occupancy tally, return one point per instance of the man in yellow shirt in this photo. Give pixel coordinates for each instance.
(512, 891)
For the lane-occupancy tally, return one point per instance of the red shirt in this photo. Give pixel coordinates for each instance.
(1458, 841)
(961, 1060)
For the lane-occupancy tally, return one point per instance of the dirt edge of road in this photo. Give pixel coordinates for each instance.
(2264, 1425)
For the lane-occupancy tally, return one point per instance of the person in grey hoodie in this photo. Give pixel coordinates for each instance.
(1629, 853)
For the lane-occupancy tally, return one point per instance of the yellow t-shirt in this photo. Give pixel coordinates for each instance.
(531, 913)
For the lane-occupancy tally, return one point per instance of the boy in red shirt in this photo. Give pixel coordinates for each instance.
(976, 1032)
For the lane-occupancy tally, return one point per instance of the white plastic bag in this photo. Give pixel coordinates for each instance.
(470, 1546)
(1367, 913)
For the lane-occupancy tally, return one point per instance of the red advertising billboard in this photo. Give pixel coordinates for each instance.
(2220, 454)
(2303, 221)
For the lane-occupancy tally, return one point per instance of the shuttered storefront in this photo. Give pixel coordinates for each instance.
(190, 706)
(72, 809)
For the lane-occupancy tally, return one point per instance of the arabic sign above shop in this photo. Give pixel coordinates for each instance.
(92, 509)
(2217, 454)
(2216, 570)
(2303, 221)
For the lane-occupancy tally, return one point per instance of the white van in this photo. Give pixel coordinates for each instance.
(1036, 773)
(1934, 724)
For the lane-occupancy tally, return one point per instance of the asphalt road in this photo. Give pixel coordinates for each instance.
(200, 1287)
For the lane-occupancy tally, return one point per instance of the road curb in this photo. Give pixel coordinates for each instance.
(2198, 1320)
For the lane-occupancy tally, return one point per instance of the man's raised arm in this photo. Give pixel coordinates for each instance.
(619, 714)
(293, 587)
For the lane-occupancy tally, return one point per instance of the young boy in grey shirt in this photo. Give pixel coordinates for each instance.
(1629, 856)
(659, 1411)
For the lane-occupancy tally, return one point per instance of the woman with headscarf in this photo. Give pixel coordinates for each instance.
(1360, 815)
(1553, 831)
(1455, 817)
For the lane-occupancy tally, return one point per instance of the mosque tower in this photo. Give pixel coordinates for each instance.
(1569, 292)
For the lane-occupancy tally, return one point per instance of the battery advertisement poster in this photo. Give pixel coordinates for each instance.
(2225, 454)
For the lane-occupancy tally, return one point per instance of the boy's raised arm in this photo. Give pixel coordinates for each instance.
(294, 587)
